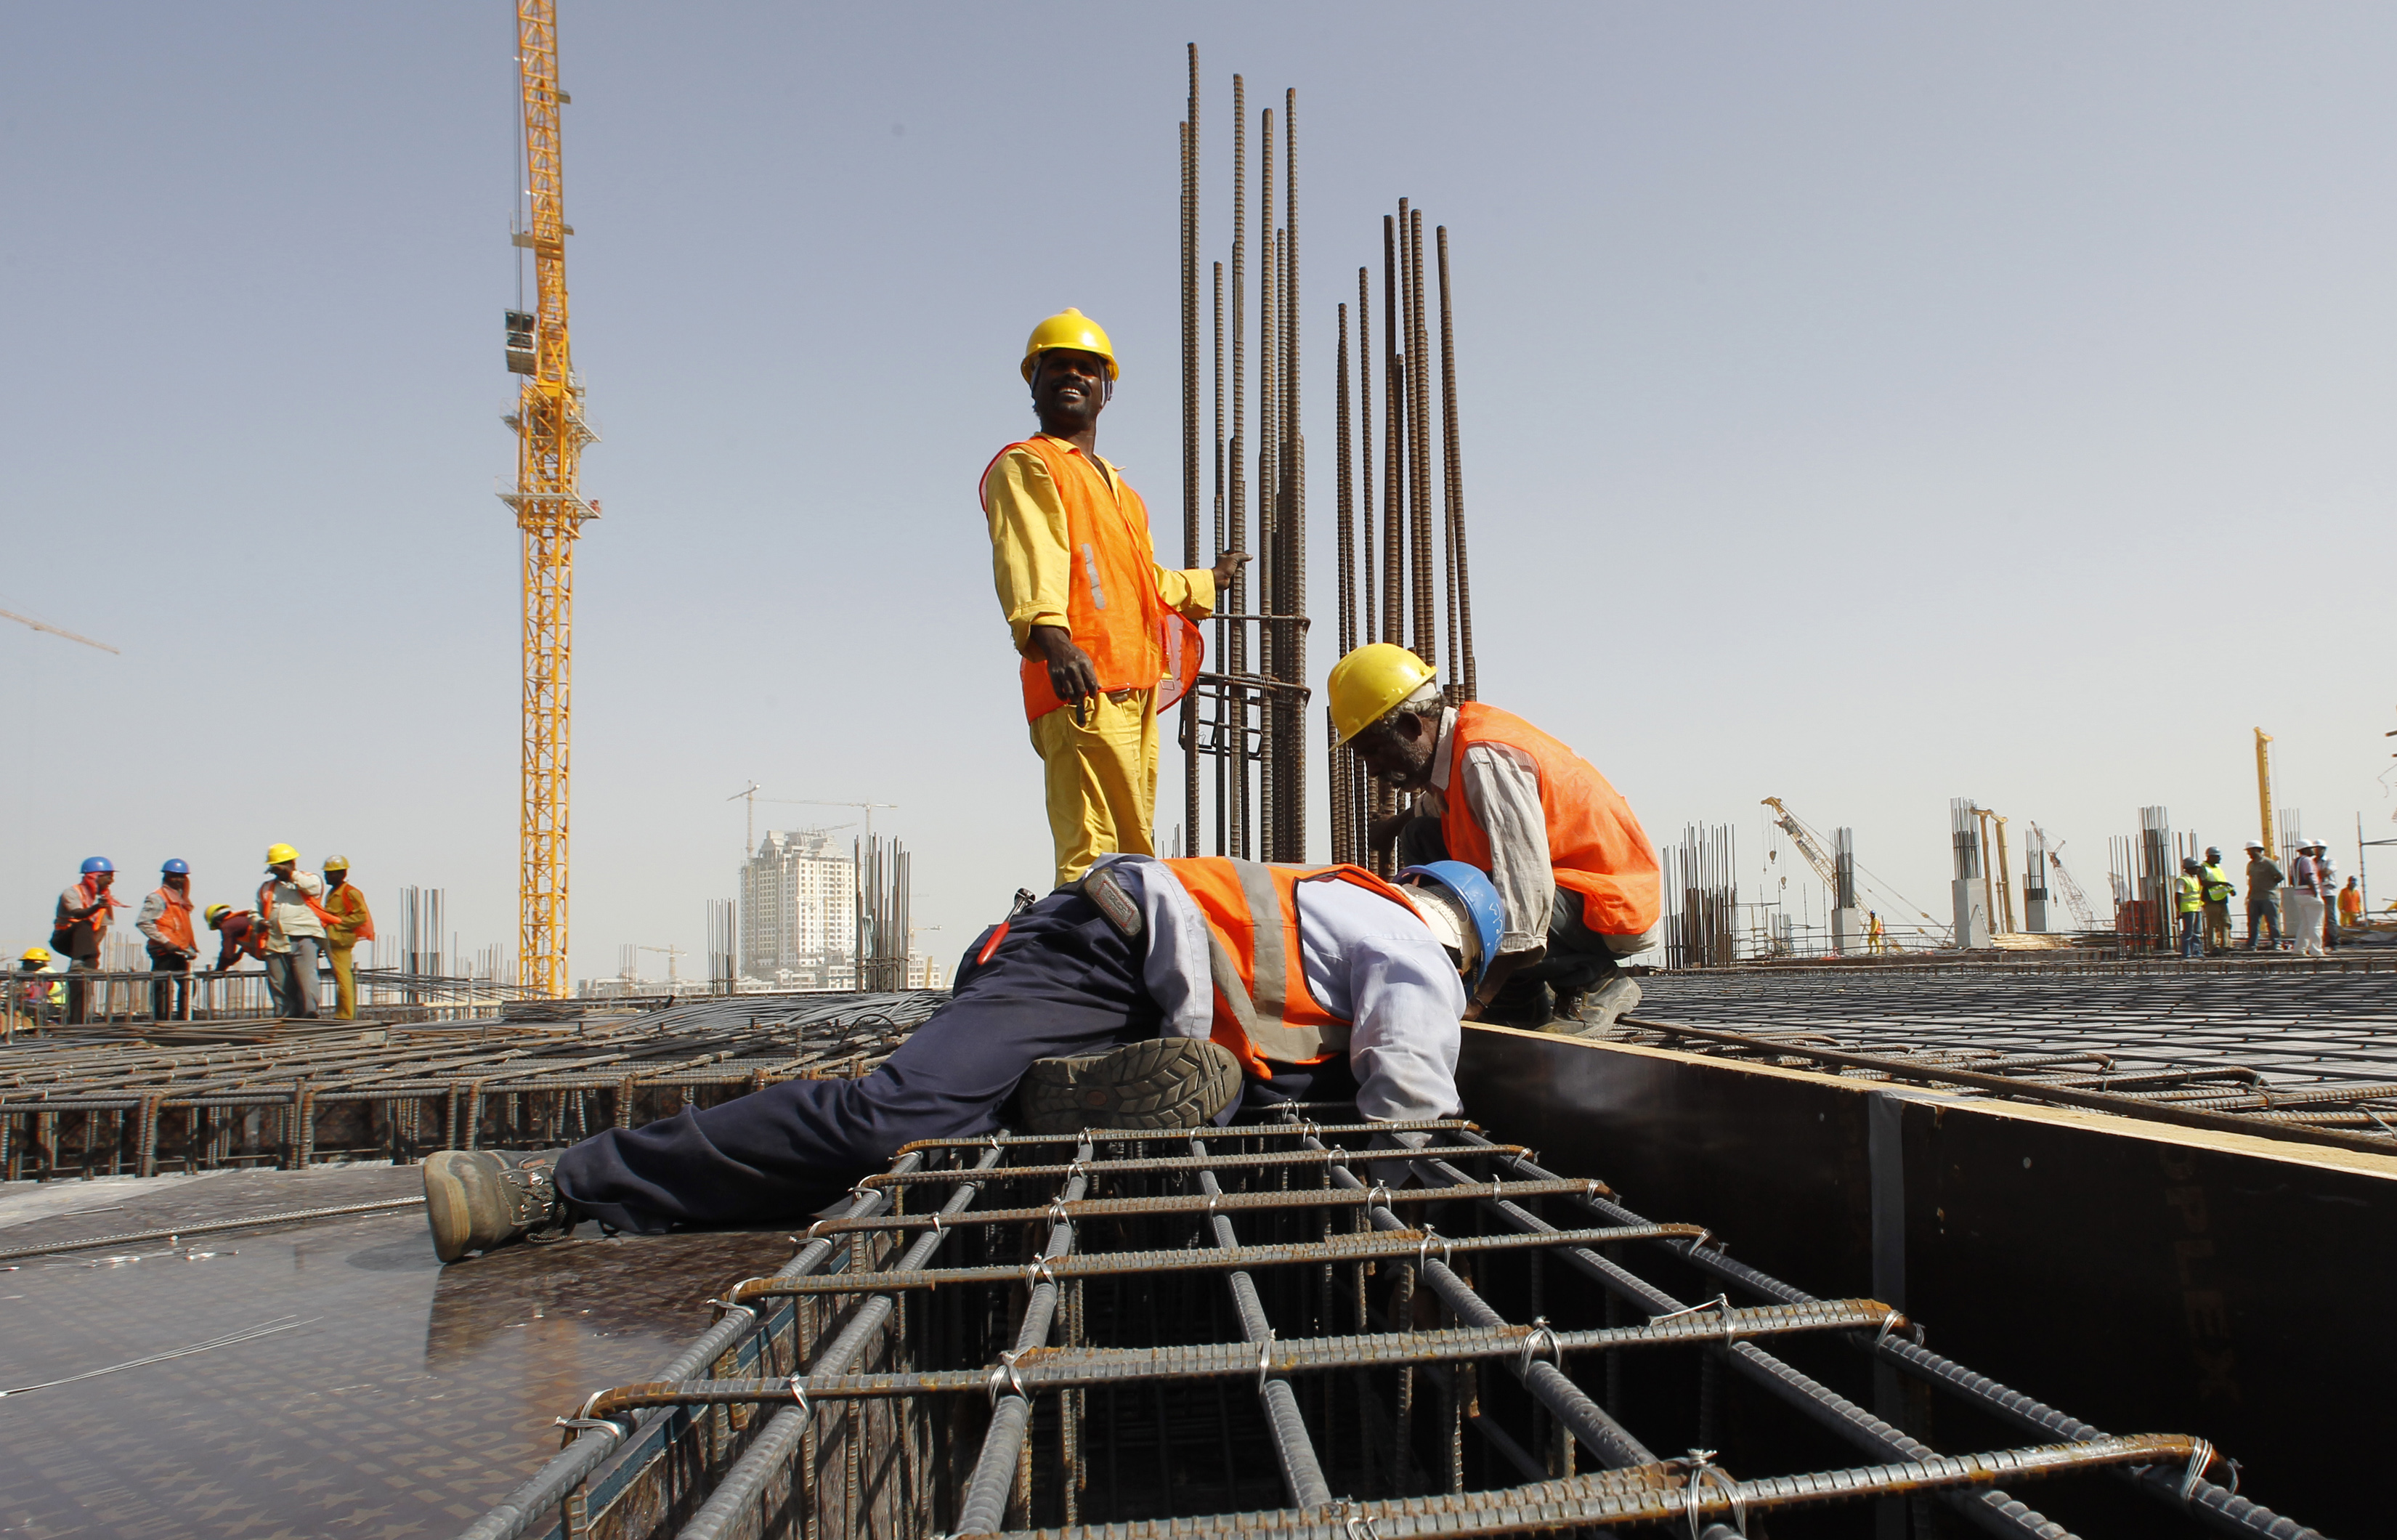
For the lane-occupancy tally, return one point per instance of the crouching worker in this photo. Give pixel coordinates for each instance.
(1575, 871)
(1143, 996)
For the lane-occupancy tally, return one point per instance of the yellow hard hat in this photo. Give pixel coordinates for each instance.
(36, 955)
(337, 864)
(1371, 680)
(215, 912)
(1069, 328)
(277, 854)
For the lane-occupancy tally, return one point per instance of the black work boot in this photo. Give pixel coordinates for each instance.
(475, 1199)
(1519, 1002)
(1162, 1083)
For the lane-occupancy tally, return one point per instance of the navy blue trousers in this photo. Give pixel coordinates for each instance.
(1062, 982)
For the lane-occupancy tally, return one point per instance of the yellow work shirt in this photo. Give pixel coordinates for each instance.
(1031, 554)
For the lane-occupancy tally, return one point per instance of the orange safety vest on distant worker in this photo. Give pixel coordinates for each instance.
(1112, 605)
(1595, 842)
(175, 919)
(345, 905)
(1263, 1009)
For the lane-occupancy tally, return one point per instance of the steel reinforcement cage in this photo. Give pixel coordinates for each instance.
(1297, 1328)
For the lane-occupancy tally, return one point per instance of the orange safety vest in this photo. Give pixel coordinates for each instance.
(1112, 605)
(1595, 842)
(266, 906)
(1263, 1009)
(351, 904)
(175, 919)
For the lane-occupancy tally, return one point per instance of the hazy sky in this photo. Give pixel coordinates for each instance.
(1862, 404)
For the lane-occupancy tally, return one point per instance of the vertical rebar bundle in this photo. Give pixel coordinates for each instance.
(1248, 713)
(1701, 891)
(1843, 868)
(882, 930)
(723, 928)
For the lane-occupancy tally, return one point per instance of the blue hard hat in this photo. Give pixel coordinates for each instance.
(1480, 900)
(97, 863)
(177, 866)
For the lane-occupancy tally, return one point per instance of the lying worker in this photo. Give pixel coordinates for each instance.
(1575, 872)
(1088, 604)
(1138, 997)
(239, 935)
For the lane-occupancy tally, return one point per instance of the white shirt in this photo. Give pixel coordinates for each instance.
(1365, 958)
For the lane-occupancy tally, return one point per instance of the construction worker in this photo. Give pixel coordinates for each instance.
(295, 931)
(2305, 900)
(1876, 939)
(79, 926)
(1577, 873)
(351, 923)
(2326, 876)
(32, 990)
(2350, 905)
(2218, 890)
(1146, 995)
(239, 935)
(2264, 879)
(2190, 887)
(165, 922)
(1090, 609)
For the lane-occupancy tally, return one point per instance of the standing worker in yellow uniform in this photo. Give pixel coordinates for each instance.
(352, 924)
(2218, 891)
(1085, 599)
(2191, 891)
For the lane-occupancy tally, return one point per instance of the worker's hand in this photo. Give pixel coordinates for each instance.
(1495, 978)
(1228, 567)
(1071, 673)
(1383, 833)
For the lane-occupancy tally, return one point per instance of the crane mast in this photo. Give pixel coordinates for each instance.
(550, 510)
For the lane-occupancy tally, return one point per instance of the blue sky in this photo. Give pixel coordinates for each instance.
(1866, 405)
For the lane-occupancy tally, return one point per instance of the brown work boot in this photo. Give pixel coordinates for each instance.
(1162, 1083)
(475, 1199)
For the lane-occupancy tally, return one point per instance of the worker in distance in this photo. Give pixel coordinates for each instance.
(1575, 875)
(1106, 635)
(1146, 995)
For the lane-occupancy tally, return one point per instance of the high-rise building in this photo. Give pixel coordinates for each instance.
(798, 906)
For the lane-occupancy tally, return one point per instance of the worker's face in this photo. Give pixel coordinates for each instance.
(180, 881)
(101, 881)
(1069, 390)
(1400, 752)
(283, 869)
(335, 876)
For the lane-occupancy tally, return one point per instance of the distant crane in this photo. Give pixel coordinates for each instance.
(550, 510)
(45, 625)
(749, 794)
(2074, 899)
(1810, 846)
(672, 954)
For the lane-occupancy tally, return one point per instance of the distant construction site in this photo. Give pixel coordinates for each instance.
(1511, 1172)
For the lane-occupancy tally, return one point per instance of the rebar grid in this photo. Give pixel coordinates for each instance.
(2308, 1055)
(1219, 1329)
(76, 1107)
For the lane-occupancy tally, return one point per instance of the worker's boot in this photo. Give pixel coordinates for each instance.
(1595, 1012)
(475, 1199)
(1519, 1002)
(1162, 1083)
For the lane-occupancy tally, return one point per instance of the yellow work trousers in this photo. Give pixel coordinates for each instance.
(345, 984)
(1100, 779)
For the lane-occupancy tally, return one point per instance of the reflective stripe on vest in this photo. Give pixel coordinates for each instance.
(1595, 842)
(1109, 551)
(1263, 1009)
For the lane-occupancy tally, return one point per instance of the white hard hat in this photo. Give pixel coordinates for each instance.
(2255, 845)
(1451, 925)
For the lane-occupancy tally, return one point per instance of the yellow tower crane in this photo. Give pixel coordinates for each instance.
(550, 511)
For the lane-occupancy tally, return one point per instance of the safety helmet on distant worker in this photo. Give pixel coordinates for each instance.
(277, 854)
(175, 866)
(336, 863)
(38, 956)
(1068, 329)
(214, 914)
(1368, 682)
(97, 863)
(2253, 845)
(2190, 864)
(1484, 917)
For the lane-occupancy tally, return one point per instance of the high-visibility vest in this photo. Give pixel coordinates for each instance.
(175, 920)
(2350, 904)
(1595, 842)
(1263, 1009)
(2217, 885)
(2192, 894)
(1112, 605)
(345, 904)
(266, 906)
